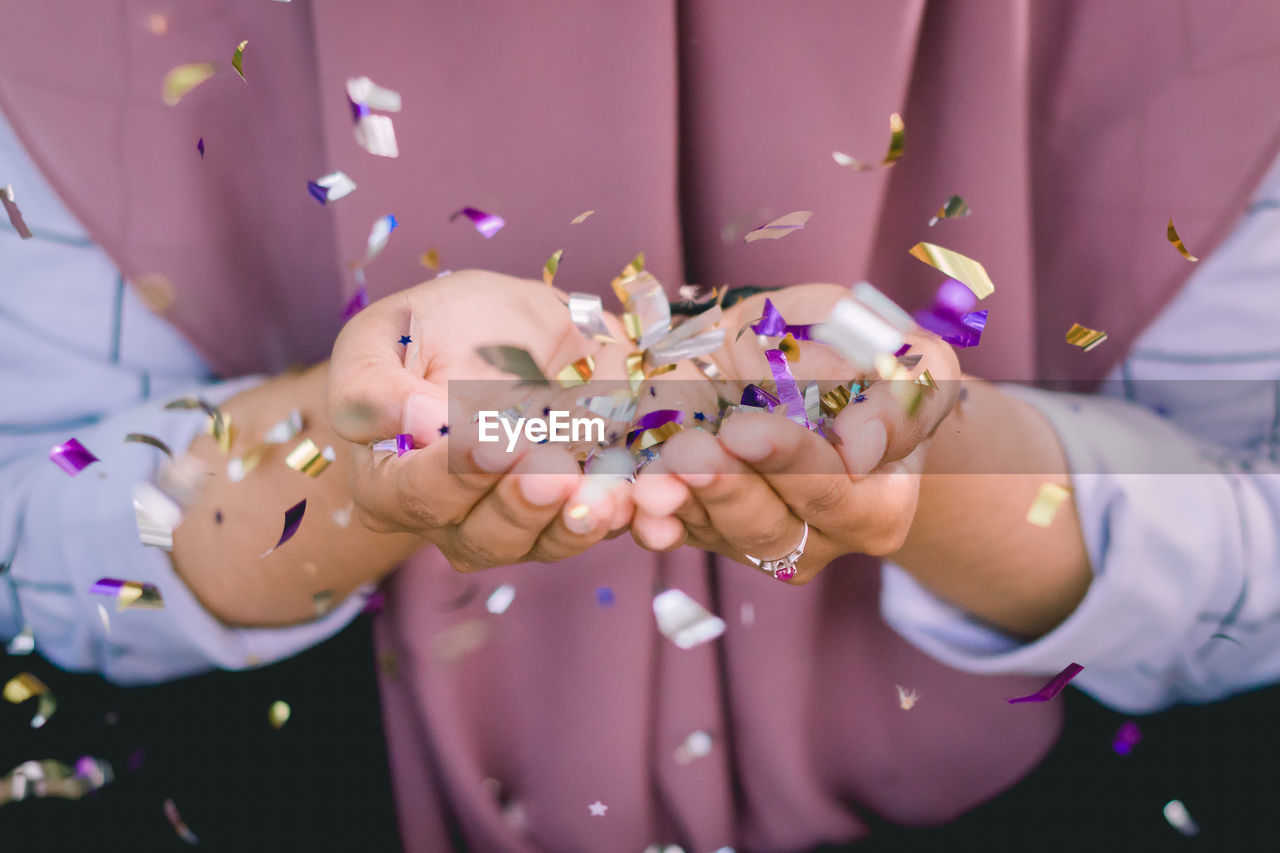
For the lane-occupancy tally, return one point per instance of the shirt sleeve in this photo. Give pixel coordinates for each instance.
(1185, 600)
(59, 534)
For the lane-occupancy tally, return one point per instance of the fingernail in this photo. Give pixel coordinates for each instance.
(579, 514)
(871, 445)
(424, 417)
(541, 489)
(749, 442)
(493, 457)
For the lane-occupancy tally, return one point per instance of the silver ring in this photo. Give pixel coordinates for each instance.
(783, 568)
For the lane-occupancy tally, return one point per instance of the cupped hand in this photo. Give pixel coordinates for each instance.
(480, 503)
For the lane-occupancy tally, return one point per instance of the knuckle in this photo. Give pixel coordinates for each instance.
(826, 494)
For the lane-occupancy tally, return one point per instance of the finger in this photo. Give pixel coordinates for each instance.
(505, 523)
(657, 491)
(583, 520)
(739, 503)
(657, 532)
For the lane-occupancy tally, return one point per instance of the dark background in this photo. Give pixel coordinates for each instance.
(320, 783)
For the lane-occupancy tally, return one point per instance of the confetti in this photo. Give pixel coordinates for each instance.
(1049, 498)
(1180, 819)
(952, 317)
(71, 456)
(597, 809)
(157, 516)
(907, 698)
(697, 745)
(322, 601)
(780, 227)
(500, 599)
(1053, 687)
(15, 215)
(1084, 337)
(578, 373)
(1172, 234)
(178, 824)
(129, 594)
(292, 520)
(308, 458)
(772, 325)
(237, 59)
(379, 234)
(24, 686)
(200, 147)
(284, 430)
(404, 443)
(1126, 738)
(219, 424)
(278, 714)
(655, 427)
(24, 643)
(552, 265)
(605, 596)
(331, 187)
(955, 265)
(684, 621)
(834, 401)
(859, 334)
(581, 217)
(143, 438)
(897, 146)
(586, 310)
(375, 134)
(513, 360)
(788, 390)
(460, 640)
(696, 336)
(430, 259)
(106, 620)
(953, 208)
(487, 224)
(183, 78)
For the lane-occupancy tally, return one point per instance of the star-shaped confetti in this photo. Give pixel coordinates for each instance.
(699, 416)
(444, 430)
(598, 809)
(405, 340)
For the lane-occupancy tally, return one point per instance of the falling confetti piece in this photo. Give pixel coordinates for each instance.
(1126, 738)
(15, 215)
(684, 621)
(955, 265)
(71, 456)
(183, 78)
(278, 714)
(157, 516)
(308, 458)
(200, 147)
(375, 134)
(552, 265)
(178, 824)
(1053, 687)
(292, 520)
(285, 430)
(597, 809)
(106, 620)
(586, 311)
(605, 596)
(379, 234)
(143, 438)
(237, 59)
(1172, 234)
(953, 208)
(128, 594)
(1049, 498)
(951, 317)
(697, 745)
(578, 373)
(430, 259)
(907, 698)
(331, 187)
(1084, 337)
(24, 686)
(581, 217)
(513, 360)
(780, 227)
(859, 334)
(24, 643)
(219, 424)
(500, 599)
(487, 224)
(1179, 818)
(897, 146)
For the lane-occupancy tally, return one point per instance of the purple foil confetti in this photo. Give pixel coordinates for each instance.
(754, 395)
(318, 192)
(292, 520)
(357, 303)
(200, 147)
(788, 391)
(404, 443)
(487, 224)
(1053, 688)
(772, 325)
(653, 420)
(952, 317)
(71, 456)
(374, 603)
(1127, 737)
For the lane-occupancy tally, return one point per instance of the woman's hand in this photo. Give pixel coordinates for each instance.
(480, 503)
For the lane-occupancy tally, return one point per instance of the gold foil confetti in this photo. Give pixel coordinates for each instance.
(926, 379)
(183, 78)
(308, 458)
(430, 259)
(780, 227)
(552, 265)
(1172, 234)
(963, 269)
(219, 423)
(322, 601)
(1084, 337)
(143, 438)
(897, 146)
(635, 371)
(630, 271)
(237, 59)
(578, 373)
(790, 347)
(648, 313)
(513, 360)
(24, 686)
(586, 310)
(907, 698)
(278, 714)
(657, 435)
(581, 217)
(239, 467)
(15, 215)
(905, 390)
(684, 621)
(953, 208)
(834, 401)
(1049, 499)
(136, 594)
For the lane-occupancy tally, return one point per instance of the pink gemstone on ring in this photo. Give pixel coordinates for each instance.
(785, 573)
